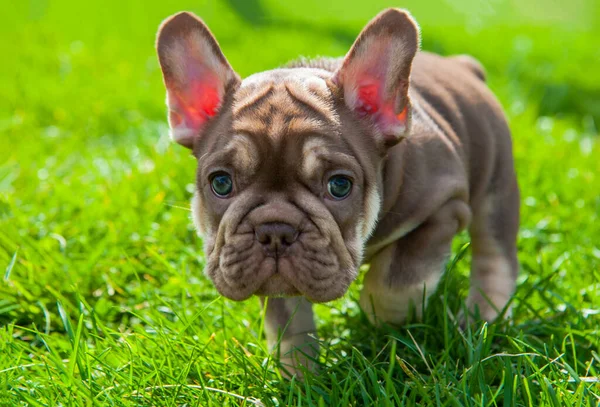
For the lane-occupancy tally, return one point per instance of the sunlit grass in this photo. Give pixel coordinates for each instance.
(102, 297)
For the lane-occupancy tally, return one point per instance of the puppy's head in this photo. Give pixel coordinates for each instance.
(288, 185)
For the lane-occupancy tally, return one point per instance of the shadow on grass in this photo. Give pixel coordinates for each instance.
(253, 12)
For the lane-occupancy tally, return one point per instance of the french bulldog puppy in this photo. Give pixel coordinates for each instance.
(307, 171)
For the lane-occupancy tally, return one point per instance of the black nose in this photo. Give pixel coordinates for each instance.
(275, 237)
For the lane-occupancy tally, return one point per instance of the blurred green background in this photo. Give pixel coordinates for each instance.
(544, 50)
(103, 292)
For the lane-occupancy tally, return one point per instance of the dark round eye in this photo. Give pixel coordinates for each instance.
(339, 186)
(221, 184)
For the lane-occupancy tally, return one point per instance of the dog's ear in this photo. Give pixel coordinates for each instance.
(375, 74)
(195, 72)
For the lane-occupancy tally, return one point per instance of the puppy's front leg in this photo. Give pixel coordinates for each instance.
(290, 329)
(406, 272)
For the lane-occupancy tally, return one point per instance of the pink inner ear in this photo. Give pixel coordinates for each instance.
(370, 102)
(196, 96)
(205, 99)
(199, 102)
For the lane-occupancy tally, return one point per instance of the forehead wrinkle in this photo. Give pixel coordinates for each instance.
(301, 125)
(248, 98)
(293, 105)
(279, 116)
(278, 125)
(246, 153)
(251, 125)
(241, 152)
(316, 155)
(302, 96)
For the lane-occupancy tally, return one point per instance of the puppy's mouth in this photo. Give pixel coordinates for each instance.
(278, 260)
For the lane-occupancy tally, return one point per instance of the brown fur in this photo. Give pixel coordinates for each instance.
(429, 155)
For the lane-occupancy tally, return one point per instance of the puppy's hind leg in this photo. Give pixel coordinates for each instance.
(493, 240)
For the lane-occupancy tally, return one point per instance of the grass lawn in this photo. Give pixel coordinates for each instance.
(102, 296)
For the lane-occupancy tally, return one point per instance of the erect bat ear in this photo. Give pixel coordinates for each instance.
(195, 72)
(375, 74)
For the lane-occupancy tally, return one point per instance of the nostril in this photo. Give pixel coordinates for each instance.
(263, 238)
(289, 238)
(275, 236)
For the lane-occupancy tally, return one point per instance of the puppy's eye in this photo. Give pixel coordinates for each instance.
(339, 186)
(221, 184)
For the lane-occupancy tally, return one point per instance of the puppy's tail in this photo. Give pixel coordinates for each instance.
(471, 64)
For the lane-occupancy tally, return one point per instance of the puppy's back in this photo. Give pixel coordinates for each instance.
(453, 92)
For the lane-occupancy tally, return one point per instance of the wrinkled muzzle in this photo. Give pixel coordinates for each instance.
(279, 250)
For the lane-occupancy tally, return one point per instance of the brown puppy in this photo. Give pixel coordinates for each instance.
(306, 172)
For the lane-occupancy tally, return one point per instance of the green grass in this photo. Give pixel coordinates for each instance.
(102, 297)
